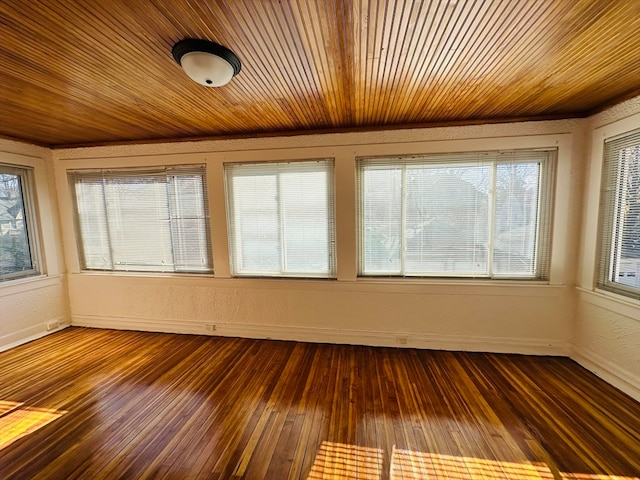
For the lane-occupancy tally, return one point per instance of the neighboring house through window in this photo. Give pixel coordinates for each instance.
(18, 232)
(619, 262)
(478, 215)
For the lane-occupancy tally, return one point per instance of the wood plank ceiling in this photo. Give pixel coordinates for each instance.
(76, 72)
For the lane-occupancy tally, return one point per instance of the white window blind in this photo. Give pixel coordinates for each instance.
(18, 243)
(281, 218)
(484, 214)
(146, 220)
(619, 263)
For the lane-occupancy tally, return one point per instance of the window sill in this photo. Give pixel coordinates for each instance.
(611, 301)
(25, 284)
(452, 280)
(123, 273)
(463, 287)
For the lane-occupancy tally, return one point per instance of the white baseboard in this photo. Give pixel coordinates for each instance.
(31, 333)
(610, 372)
(535, 346)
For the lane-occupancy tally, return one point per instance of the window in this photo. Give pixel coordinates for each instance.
(485, 214)
(144, 220)
(619, 265)
(281, 218)
(18, 252)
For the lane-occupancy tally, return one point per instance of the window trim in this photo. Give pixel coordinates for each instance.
(545, 218)
(140, 172)
(32, 220)
(607, 216)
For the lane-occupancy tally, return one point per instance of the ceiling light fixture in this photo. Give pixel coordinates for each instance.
(206, 62)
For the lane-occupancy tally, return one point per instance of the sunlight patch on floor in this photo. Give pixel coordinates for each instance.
(17, 421)
(410, 465)
(339, 461)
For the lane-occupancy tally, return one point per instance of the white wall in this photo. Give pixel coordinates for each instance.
(28, 305)
(606, 331)
(525, 317)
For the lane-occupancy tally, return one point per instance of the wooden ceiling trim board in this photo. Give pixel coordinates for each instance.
(324, 131)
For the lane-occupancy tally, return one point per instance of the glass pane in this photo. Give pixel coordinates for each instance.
(138, 220)
(188, 223)
(626, 242)
(516, 218)
(257, 236)
(92, 219)
(447, 217)
(15, 255)
(305, 221)
(382, 219)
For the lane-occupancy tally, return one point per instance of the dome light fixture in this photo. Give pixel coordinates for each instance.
(206, 62)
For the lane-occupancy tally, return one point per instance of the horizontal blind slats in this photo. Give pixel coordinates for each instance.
(280, 218)
(472, 214)
(619, 252)
(142, 219)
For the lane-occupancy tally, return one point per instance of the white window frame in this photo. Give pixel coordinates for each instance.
(235, 247)
(546, 190)
(614, 182)
(142, 172)
(27, 182)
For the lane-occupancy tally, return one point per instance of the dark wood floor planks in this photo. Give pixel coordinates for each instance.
(104, 404)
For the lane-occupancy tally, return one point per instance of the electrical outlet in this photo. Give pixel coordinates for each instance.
(210, 328)
(402, 339)
(53, 324)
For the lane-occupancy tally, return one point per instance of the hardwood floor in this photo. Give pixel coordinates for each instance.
(100, 404)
